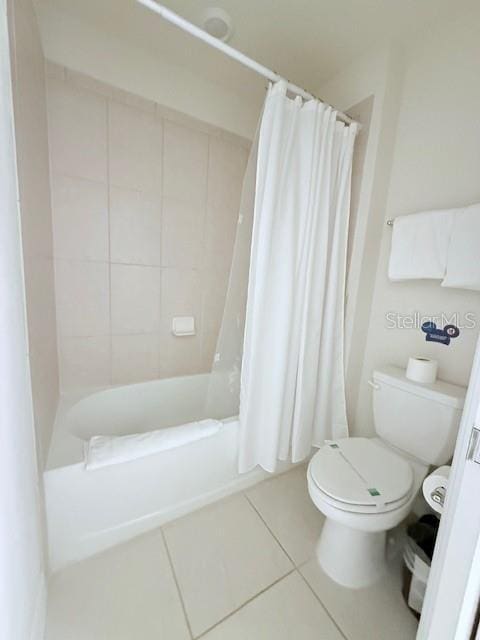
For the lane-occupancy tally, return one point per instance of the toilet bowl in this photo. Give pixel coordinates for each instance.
(364, 489)
(366, 486)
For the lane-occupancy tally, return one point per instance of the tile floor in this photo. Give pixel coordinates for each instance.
(240, 569)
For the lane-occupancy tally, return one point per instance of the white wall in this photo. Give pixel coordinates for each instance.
(22, 579)
(82, 47)
(436, 164)
(376, 77)
(36, 216)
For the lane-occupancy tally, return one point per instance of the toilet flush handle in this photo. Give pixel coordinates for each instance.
(373, 384)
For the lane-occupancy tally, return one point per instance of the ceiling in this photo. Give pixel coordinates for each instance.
(307, 41)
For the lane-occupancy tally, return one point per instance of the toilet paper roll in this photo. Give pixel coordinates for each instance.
(435, 487)
(422, 370)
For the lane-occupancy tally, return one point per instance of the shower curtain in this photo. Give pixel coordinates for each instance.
(292, 393)
(223, 393)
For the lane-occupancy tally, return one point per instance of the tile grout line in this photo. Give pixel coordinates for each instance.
(179, 591)
(244, 604)
(297, 566)
(324, 607)
(109, 236)
(148, 265)
(161, 213)
(232, 613)
(203, 256)
(267, 527)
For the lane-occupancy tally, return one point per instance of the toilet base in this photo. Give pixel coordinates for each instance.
(351, 557)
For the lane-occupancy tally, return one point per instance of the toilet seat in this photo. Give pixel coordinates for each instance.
(360, 475)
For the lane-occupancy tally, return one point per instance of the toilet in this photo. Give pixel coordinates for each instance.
(366, 486)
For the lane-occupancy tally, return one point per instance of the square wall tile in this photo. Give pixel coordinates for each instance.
(84, 362)
(80, 218)
(135, 299)
(215, 286)
(44, 378)
(135, 226)
(209, 345)
(54, 70)
(31, 140)
(222, 556)
(183, 233)
(135, 148)
(180, 118)
(77, 131)
(226, 169)
(36, 213)
(181, 294)
(185, 163)
(132, 100)
(82, 298)
(135, 358)
(78, 79)
(220, 234)
(39, 278)
(179, 356)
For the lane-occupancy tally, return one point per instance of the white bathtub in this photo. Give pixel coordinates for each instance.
(88, 511)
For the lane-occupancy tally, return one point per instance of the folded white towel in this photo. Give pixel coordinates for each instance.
(102, 451)
(463, 263)
(420, 245)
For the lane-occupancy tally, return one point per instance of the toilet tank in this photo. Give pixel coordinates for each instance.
(419, 419)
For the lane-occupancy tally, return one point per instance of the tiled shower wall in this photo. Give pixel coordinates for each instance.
(145, 203)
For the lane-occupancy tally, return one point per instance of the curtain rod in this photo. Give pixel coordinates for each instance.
(193, 30)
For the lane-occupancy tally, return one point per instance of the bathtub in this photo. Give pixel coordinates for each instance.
(89, 511)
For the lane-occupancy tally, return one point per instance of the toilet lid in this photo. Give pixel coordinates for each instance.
(362, 473)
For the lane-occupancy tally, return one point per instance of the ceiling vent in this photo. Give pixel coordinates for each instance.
(217, 23)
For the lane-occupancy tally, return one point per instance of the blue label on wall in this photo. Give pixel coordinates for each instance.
(443, 336)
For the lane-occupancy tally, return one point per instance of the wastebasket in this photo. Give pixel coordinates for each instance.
(417, 556)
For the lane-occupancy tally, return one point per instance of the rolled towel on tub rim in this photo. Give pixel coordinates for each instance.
(103, 451)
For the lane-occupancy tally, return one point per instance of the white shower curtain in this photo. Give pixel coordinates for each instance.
(292, 383)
